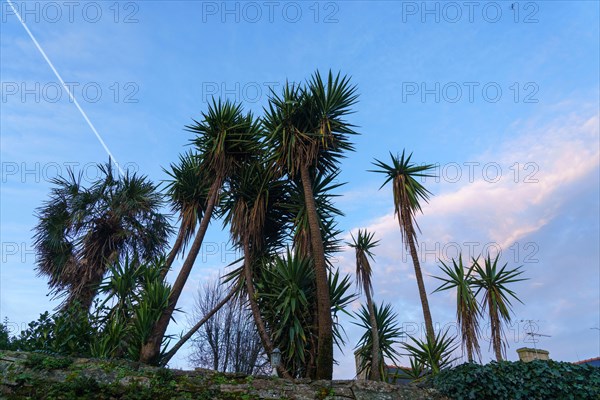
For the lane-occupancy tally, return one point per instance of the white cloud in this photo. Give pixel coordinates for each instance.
(504, 208)
(489, 210)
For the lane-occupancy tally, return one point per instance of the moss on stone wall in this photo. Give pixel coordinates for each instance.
(39, 376)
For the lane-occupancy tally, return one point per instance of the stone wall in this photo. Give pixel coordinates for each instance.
(32, 375)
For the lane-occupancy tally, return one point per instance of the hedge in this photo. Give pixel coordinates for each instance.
(538, 379)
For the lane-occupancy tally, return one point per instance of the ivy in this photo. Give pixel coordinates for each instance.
(537, 380)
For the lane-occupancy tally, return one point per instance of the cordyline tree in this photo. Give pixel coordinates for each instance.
(304, 134)
(408, 194)
(493, 281)
(301, 356)
(468, 311)
(362, 245)
(82, 230)
(225, 139)
(307, 134)
(388, 334)
(260, 207)
(134, 297)
(187, 190)
(322, 189)
(287, 298)
(256, 219)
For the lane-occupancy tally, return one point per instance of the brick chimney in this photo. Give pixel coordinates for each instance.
(362, 375)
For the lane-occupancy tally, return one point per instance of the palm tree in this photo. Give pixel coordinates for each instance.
(388, 334)
(363, 245)
(226, 139)
(83, 230)
(408, 193)
(187, 189)
(253, 203)
(467, 309)
(322, 187)
(496, 295)
(306, 132)
(287, 297)
(430, 356)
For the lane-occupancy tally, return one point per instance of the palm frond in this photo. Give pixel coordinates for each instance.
(389, 336)
(408, 191)
(226, 138)
(187, 190)
(82, 230)
(362, 245)
(468, 311)
(305, 123)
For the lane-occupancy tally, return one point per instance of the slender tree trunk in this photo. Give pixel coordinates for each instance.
(469, 345)
(167, 357)
(375, 374)
(324, 320)
(422, 292)
(227, 344)
(174, 252)
(151, 349)
(472, 341)
(495, 328)
(260, 326)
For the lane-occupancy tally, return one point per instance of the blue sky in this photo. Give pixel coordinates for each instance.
(503, 96)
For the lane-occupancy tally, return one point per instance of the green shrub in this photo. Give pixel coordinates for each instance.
(67, 332)
(80, 387)
(537, 380)
(5, 339)
(38, 361)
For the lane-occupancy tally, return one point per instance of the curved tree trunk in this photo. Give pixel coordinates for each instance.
(167, 357)
(324, 320)
(420, 283)
(375, 374)
(260, 326)
(151, 349)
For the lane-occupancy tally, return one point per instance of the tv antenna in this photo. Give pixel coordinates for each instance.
(532, 333)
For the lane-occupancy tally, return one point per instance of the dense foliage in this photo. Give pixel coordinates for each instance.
(519, 380)
(67, 332)
(388, 333)
(5, 339)
(133, 296)
(287, 298)
(81, 230)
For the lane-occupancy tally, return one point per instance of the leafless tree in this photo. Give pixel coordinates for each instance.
(229, 341)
